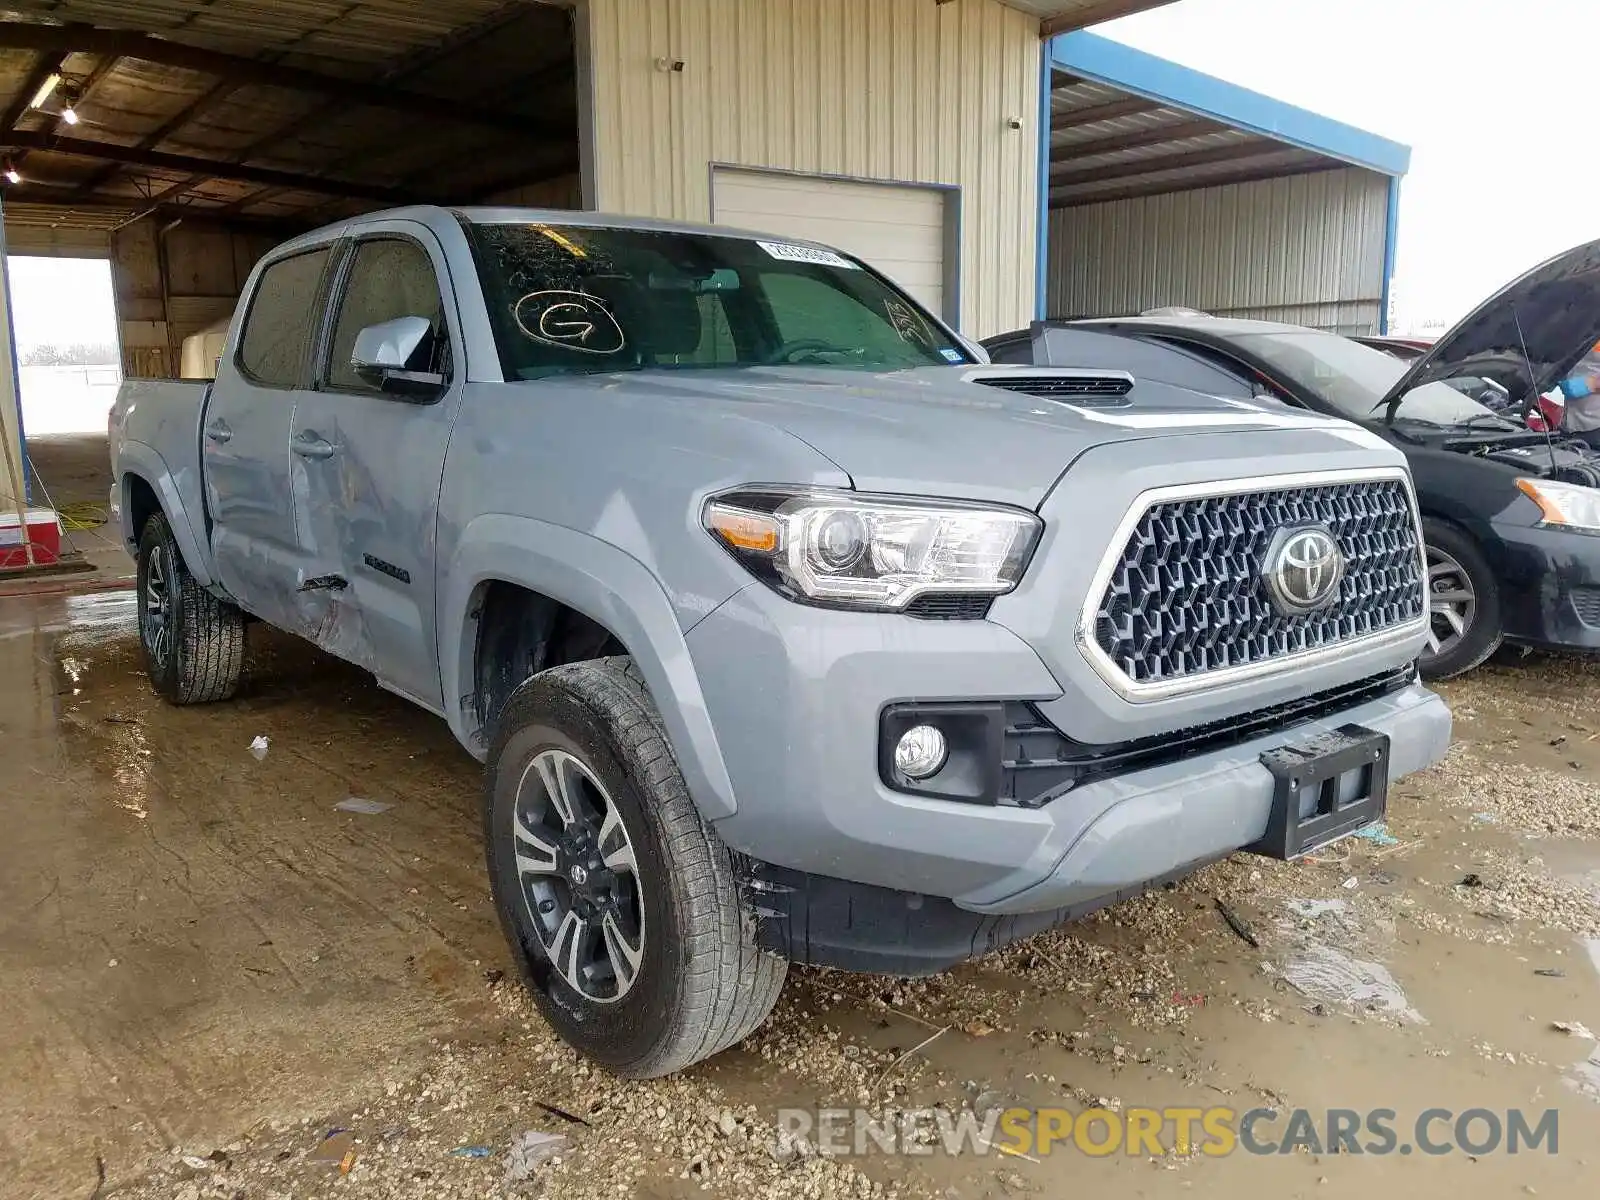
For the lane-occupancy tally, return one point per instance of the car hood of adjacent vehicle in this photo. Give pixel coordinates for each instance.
(1526, 337)
(940, 431)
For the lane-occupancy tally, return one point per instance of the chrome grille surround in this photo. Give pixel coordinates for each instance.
(1247, 598)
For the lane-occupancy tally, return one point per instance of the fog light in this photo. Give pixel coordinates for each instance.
(920, 752)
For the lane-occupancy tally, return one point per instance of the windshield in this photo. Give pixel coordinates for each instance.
(568, 299)
(1355, 378)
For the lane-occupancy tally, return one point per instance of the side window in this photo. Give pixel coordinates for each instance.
(277, 329)
(389, 278)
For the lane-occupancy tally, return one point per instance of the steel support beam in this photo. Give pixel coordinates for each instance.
(68, 39)
(158, 160)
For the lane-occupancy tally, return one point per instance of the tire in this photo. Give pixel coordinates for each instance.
(677, 975)
(193, 643)
(1456, 567)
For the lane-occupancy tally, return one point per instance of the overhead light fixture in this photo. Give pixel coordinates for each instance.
(12, 174)
(46, 89)
(69, 114)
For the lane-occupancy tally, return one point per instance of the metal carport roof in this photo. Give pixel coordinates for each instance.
(1126, 123)
(1123, 123)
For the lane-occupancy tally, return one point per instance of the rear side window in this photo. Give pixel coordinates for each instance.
(277, 329)
(390, 278)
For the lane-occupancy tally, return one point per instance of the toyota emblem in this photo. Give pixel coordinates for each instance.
(1303, 569)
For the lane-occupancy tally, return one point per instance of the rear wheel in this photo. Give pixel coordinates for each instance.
(193, 643)
(625, 911)
(1463, 603)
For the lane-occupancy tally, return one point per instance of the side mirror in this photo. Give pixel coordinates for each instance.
(391, 356)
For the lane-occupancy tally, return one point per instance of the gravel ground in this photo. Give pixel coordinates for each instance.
(1488, 869)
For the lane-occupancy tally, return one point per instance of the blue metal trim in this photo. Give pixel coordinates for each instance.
(9, 350)
(1096, 58)
(1391, 238)
(1041, 278)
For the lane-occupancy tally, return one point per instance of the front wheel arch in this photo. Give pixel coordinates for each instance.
(609, 587)
(1466, 622)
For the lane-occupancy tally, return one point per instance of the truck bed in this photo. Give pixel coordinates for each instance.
(154, 432)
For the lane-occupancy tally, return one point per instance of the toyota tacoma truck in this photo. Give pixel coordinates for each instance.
(787, 627)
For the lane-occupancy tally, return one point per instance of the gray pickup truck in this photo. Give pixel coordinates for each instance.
(787, 627)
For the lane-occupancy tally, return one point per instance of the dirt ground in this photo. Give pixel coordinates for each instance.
(207, 968)
(72, 474)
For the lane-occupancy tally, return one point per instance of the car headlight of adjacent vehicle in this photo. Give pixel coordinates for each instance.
(1565, 504)
(857, 550)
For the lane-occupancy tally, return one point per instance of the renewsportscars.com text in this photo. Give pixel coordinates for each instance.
(1157, 1132)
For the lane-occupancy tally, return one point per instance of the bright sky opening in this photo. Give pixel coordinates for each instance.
(1495, 100)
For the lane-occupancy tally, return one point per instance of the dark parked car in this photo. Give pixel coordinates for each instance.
(1511, 515)
(1405, 349)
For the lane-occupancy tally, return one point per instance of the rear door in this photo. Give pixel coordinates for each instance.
(372, 461)
(245, 438)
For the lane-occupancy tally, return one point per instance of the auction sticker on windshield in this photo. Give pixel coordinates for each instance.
(807, 254)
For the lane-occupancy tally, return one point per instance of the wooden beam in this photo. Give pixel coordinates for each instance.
(1150, 166)
(66, 39)
(412, 66)
(246, 200)
(213, 95)
(102, 68)
(1167, 187)
(1159, 135)
(48, 63)
(563, 74)
(107, 152)
(1110, 111)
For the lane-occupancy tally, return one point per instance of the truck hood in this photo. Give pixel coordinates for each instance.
(1526, 337)
(942, 431)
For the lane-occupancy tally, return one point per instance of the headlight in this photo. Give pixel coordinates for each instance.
(872, 552)
(1564, 503)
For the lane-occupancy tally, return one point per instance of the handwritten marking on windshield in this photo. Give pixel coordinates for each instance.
(908, 323)
(570, 320)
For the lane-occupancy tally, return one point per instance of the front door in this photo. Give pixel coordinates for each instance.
(370, 462)
(245, 439)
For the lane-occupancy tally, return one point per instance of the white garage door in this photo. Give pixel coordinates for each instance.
(897, 228)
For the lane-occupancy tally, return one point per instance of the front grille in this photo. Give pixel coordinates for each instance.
(1041, 763)
(950, 608)
(1081, 388)
(1187, 596)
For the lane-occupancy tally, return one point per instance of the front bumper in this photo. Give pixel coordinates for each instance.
(1549, 585)
(796, 694)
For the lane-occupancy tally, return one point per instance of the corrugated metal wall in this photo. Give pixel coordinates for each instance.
(169, 285)
(892, 90)
(1307, 249)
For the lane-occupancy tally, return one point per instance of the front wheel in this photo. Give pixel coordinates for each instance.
(193, 643)
(1463, 603)
(624, 910)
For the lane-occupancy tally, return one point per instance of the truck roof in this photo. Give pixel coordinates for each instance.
(492, 215)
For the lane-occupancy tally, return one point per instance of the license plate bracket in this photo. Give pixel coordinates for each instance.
(1346, 769)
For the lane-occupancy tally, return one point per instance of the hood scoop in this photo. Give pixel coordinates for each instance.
(1089, 389)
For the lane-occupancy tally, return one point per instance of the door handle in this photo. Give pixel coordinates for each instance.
(311, 445)
(218, 431)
